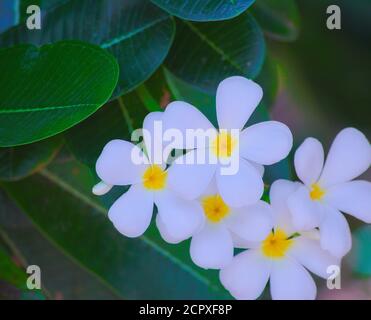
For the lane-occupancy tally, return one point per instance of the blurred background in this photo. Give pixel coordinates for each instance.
(319, 82)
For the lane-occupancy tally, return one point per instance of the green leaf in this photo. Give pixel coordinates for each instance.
(145, 268)
(49, 89)
(280, 20)
(61, 277)
(204, 54)
(10, 272)
(19, 162)
(204, 10)
(136, 32)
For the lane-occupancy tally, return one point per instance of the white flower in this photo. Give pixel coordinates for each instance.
(261, 144)
(131, 213)
(283, 257)
(327, 188)
(212, 246)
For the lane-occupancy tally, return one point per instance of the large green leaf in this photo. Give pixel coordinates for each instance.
(10, 272)
(61, 276)
(59, 202)
(19, 162)
(46, 90)
(204, 10)
(280, 20)
(136, 32)
(204, 54)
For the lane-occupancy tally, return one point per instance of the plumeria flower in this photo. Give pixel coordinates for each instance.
(260, 144)
(131, 213)
(212, 246)
(283, 257)
(327, 188)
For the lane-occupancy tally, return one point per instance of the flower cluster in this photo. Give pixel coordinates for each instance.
(300, 229)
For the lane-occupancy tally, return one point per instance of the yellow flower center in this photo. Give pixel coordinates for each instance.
(154, 178)
(215, 208)
(276, 244)
(316, 192)
(223, 145)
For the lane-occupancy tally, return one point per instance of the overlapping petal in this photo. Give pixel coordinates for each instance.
(308, 160)
(352, 197)
(279, 193)
(349, 157)
(236, 99)
(335, 234)
(266, 142)
(309, 253)
(306, 213)
(118, 165)
(290, 281)
(181, 218)
(153, 138)
(243, 188)
(131, 213)
(212, 247)
(188, 177)
(181, 117)
(247, 275)
(252, 223)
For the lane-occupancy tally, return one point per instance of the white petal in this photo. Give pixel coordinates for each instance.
(101, 188)
(309, 253)
(306, 213)
(236, 100)
(212, 248)
(164, 232)
(190, 180)
(131, 213)
(211, 189)
(181, 218)
(252, 223)
(182, 116)
(258, 167)
(153, 139)
(241, 243)
(279, 194)
(353, 198)
(115, 165)
(335, 233)
(290, 281)
(247, 275)
(266, 142)
(309, 158)
(243, 188)
(349, 157)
